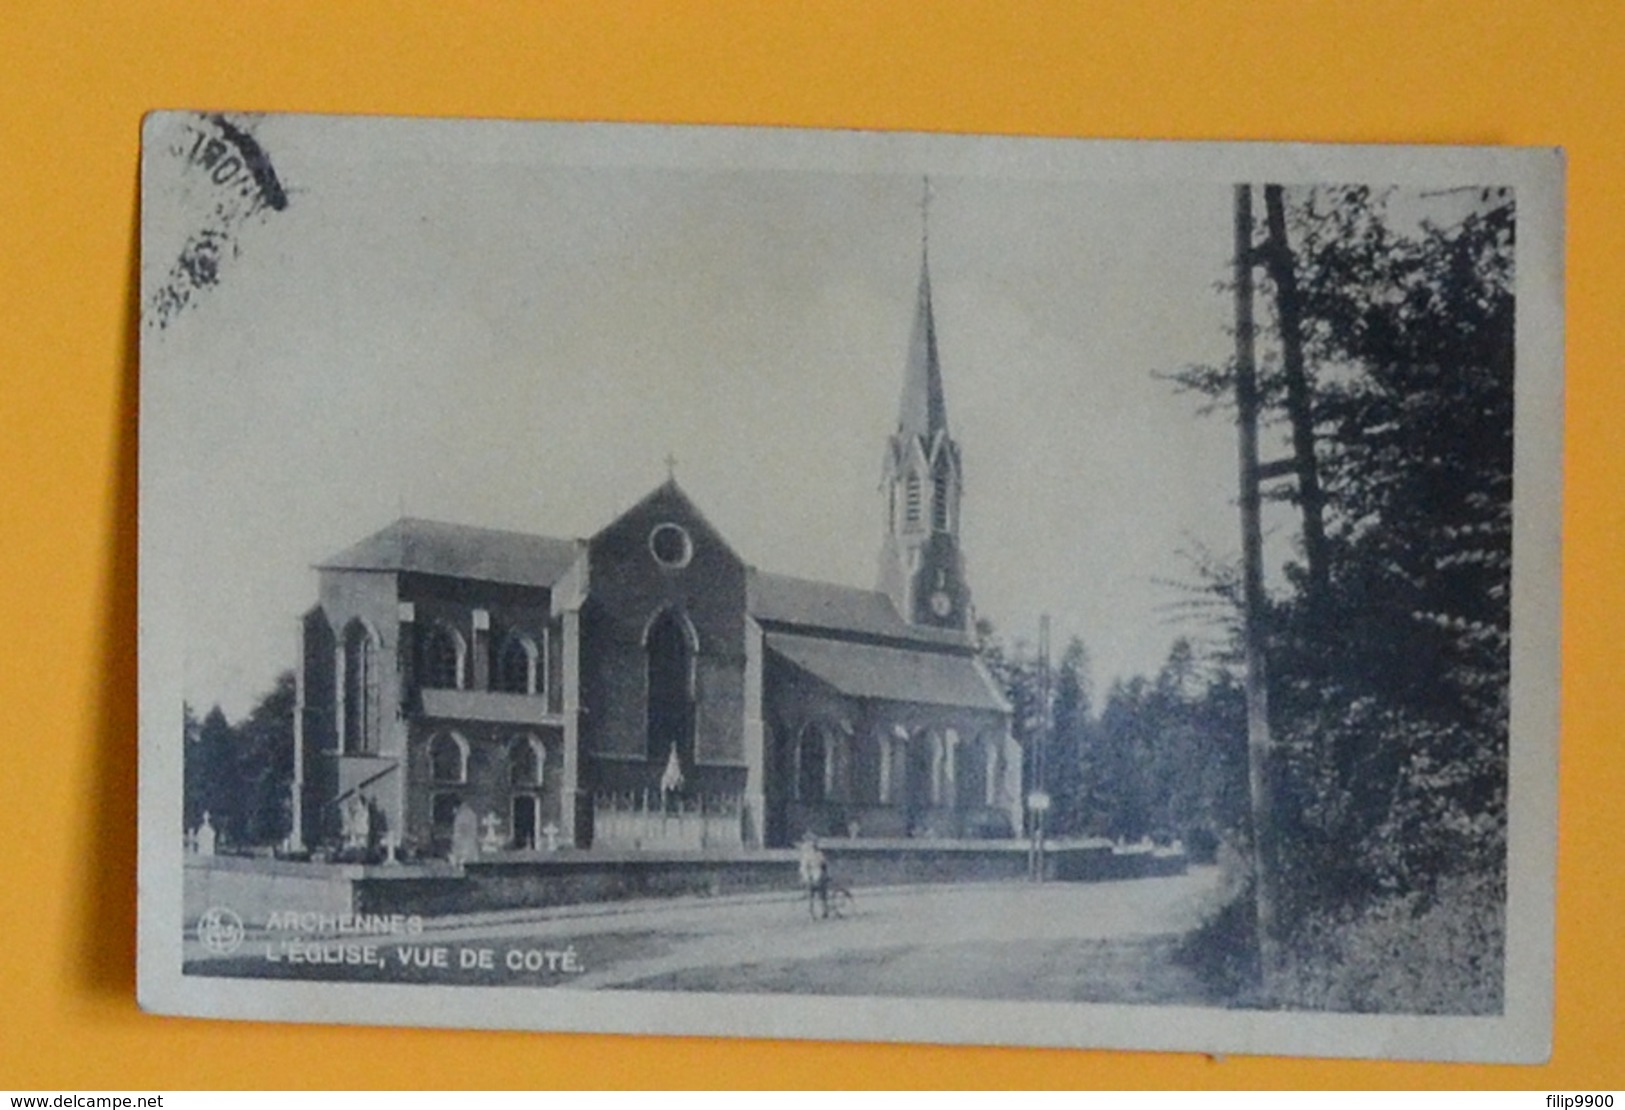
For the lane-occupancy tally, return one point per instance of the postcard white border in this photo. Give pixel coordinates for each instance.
(1522, 1035)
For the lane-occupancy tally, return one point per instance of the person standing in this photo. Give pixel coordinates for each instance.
(815, 876)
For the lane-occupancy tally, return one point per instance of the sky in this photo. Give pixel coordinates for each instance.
(516, 343)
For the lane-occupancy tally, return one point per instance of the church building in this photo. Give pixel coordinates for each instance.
(647, 688)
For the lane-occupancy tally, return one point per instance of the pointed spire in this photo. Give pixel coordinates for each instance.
(923, 411)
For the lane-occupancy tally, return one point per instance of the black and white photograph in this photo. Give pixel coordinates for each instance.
(850, 585)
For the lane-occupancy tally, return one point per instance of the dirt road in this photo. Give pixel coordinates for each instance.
(1107, 942)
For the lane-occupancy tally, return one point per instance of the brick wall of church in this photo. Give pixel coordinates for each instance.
(629, 590)
(345, 597)
(371, 597)
(488, 784)
(861, 798)
(509, 609)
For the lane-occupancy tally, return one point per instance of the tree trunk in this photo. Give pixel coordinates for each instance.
(1289, 314)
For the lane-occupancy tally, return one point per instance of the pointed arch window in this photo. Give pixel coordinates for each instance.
(360, 685)
(913, 496)
(812, 765)
(823, 763)
(938, 749)
(443, 658)
(940, 488)
(971, 774)
(670, 644)
(518, 666)
(448, 758)
(527, 762)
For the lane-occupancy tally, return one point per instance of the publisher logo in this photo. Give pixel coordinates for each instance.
(220, 930)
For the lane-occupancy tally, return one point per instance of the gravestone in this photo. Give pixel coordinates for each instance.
(205, 837)
(465, 835)
(491, 836)
(356, 822)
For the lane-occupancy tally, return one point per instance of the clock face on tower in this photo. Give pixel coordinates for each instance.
(941, 604)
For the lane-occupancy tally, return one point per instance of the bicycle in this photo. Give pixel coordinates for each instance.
(829, 899)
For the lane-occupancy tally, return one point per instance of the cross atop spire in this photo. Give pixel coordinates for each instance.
(671, 467)
(925, 215)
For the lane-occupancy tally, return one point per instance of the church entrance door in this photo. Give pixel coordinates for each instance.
(525, 824)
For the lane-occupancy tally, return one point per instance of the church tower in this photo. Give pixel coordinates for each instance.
(921, 569)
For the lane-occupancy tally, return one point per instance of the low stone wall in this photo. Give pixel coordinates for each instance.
(1100, 862)
(899, 862)
(885, 863)
(574, 879)
(254, 887)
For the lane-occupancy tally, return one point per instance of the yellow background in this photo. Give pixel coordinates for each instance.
(74, 81)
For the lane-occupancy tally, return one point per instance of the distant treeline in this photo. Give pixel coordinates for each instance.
(240, 774)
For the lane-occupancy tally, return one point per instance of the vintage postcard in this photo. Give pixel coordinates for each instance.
(850, 585)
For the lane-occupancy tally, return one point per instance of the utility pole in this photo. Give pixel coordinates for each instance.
(1038, 799)
(1260, 768)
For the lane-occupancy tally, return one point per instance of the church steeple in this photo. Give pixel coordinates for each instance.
(920, 565)
(923, 412)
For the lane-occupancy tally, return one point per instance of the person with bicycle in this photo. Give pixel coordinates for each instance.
(815, 875)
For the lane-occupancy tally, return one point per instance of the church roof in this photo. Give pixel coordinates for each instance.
(804, 603)
(459, 551)
(892, 673)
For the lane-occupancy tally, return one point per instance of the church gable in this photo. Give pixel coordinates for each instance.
(664, 582)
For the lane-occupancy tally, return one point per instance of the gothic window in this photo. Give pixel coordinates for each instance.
(443, 658)
(893, 748)
(970, 766)
(670, 649)
(893, 765)
(911, 499)
(919, 774)
(939, 497)
(812, 765)
(518, 669)
(448, 758)
(361, 690)
(527, 762)
(839, 773)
